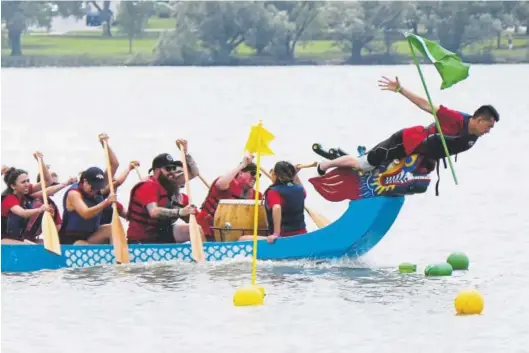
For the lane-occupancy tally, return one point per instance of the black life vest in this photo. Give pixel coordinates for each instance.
(292, 216)
(73, 225)
(17, 227)
(432, 147)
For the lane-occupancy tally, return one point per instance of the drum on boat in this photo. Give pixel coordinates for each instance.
(235, 218)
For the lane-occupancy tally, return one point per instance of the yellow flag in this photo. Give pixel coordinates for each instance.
(258, 141)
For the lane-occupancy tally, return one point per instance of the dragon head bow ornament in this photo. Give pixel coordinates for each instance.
(398, 178)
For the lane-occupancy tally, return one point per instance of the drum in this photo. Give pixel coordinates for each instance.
(235, 218)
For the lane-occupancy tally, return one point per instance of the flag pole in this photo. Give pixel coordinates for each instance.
(256, 212)
(257, 143)
(433, 112)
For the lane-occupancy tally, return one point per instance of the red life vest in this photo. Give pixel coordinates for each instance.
(207, 213)
(141, 225)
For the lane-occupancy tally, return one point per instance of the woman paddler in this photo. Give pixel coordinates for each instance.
(18, 205)
(284, 203)
(83, 207)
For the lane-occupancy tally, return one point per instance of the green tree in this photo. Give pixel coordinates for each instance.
(296, 20)
(215, 29)
(18, 15)
(463, 23)
(521, 13)
(132, 18)
(355, 24)
(268, 26)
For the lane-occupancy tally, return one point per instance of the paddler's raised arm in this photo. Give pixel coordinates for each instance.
(114, 163)
(223, 183)
(386, 84)
(48, 179)
(191, 164)
(120, 179)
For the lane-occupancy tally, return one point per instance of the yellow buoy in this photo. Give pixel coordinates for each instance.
(469, 302)
(260, 289)
(248, 296)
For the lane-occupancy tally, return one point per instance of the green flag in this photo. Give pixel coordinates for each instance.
(448, 64)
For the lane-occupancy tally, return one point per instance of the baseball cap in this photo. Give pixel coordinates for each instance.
(95, 177)
(250, 168)
(162, 160)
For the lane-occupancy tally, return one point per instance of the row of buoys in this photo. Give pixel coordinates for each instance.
(455, 261)
(467, 301)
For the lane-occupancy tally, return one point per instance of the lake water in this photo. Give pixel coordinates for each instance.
(340, 306)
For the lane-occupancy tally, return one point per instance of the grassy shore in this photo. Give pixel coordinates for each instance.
(93, 44)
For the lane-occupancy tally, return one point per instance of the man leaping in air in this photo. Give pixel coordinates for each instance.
(460, 130)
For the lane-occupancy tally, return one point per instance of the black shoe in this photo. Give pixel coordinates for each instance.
(320, 172)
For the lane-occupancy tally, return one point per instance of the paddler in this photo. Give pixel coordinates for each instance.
(179, 199)
(18, 204)
(83, 207)
(284, 203)
(238, 183)
(151, 215)
(460, 130)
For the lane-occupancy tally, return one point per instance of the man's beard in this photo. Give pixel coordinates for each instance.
(167, 184)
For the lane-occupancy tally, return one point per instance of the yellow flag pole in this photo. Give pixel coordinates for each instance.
(256, 215)
(257, 143)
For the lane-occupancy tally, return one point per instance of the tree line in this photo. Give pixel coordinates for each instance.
(210, 31)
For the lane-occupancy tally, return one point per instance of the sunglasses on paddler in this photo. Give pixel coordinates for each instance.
(254, 173)
(170, 168)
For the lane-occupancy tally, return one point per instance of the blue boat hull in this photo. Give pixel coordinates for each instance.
(358, 230)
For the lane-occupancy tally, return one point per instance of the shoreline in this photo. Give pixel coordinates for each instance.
(29, 61)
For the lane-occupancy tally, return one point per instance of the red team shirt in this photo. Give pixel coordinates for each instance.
(452, 123)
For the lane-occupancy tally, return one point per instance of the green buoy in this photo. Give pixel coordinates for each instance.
(458, 260)
(406, 267)
(440, 269)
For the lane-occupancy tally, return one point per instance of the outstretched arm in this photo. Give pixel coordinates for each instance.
(52, 190)
(389, 85)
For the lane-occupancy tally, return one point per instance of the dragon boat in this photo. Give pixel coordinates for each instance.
(375, 200)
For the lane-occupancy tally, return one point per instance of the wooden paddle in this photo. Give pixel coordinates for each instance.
(204, 181)
(197, 248)
(318, 219)
(137, 172)
(311, 165)
(51, 236)
(119, 238)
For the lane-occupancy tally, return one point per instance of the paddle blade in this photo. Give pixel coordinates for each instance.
(119, 239)
(318, 219)
(197, 249)
(51, 236)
